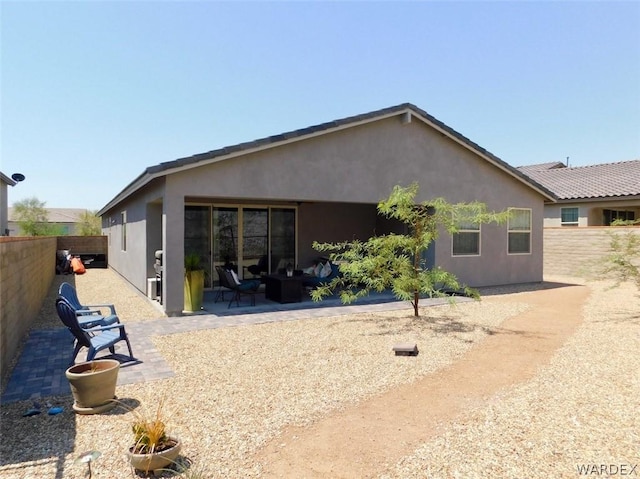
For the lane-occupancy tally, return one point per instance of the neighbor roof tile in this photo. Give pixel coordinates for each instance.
(594, 181)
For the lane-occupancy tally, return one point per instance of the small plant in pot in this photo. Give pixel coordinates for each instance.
(152, 447)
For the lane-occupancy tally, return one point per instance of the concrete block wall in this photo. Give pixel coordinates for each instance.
(27, 269)
(576, 251)
(84, 244)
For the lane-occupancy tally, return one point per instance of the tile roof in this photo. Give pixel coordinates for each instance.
(542, 166)
(606, 180)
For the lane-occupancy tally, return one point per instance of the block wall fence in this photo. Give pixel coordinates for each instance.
(576, 251)
(27, 269)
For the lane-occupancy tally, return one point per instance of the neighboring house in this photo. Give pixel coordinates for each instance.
(274, 196)
(5, 182)
(66, 219)
(593, 195)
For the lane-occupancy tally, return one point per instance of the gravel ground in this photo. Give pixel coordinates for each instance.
(580, 411)
(98, 286)
(236, 388)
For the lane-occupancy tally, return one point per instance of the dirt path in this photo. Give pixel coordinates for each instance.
(365, 439)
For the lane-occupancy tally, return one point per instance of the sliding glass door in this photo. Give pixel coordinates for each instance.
(254, 240)
(225, 238)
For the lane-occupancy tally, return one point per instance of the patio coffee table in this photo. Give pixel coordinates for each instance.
(282, 288)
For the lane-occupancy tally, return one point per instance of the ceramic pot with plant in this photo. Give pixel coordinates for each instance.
(93, 385)
(193, 283)
(152, 447)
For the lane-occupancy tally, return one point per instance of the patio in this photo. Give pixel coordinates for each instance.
(47, 352)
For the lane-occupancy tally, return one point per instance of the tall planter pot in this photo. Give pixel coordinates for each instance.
(193, 290)
(93, 385)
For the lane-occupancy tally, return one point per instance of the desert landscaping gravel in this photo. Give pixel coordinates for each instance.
(580, 416)
(237, 388)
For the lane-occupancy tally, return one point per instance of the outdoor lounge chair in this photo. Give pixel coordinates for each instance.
(96, 339)
(71, 295)
(247, 287)
(87, 317)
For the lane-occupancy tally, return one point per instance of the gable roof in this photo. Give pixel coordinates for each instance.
(408, 111)
(606, 180)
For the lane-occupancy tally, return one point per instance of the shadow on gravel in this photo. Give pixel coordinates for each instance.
(621, 317)
(523, 288)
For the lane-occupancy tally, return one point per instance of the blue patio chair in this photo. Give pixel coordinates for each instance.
(96, 339)
(88, 317)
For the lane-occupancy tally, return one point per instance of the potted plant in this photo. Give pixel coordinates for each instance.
(152, 447)
(93, 385)
(193, 283)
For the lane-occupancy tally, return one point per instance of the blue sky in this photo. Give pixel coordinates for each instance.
(93, 92)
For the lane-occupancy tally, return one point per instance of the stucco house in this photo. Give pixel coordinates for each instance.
(271, 198)
(593, 195)
(65, 219)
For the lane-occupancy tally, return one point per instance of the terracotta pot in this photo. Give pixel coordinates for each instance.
(93, 385)
(157, 460)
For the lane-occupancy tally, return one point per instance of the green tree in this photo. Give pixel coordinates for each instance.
(89, 224)
(32, 216)
(397, 261)
(623, 263)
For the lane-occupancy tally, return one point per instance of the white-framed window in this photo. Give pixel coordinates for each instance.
(519, 231)
(466, 242)
(123, 231)
(569, 216)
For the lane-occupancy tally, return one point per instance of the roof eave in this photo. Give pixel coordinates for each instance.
(226, 153)
(591, 199)
(7, 180)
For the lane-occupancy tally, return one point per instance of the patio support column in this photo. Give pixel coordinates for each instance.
(173, 244)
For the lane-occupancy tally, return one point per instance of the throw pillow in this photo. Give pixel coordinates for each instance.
(234, 275)
(326, 270)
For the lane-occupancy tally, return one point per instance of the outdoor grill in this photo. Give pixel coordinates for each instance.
(157, 265)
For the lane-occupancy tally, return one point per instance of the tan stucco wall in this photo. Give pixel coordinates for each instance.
(589, 213)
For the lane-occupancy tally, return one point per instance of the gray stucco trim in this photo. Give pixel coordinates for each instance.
(408, 111)
(5, 179)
